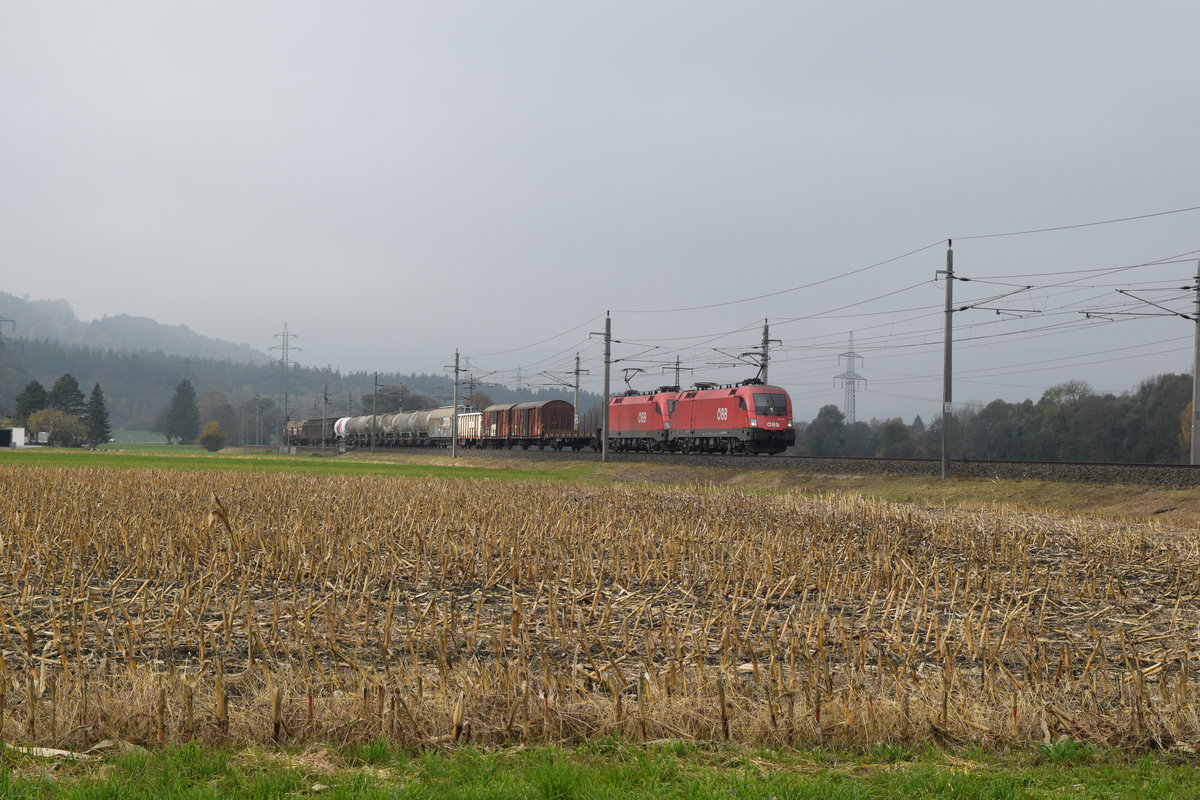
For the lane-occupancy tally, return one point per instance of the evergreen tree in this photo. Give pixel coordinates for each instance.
(66, 396)
(98, 428)
(183, 415)
(31, 400)
(895, 439)
(824, 435)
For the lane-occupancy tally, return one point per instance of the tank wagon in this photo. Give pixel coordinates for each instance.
(426, 428)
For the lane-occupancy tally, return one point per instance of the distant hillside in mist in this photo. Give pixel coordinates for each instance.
(139, 362)
(55, 320)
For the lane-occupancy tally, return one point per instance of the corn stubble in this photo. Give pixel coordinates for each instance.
(159, 607)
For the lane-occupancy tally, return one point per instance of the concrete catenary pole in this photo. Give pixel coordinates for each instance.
(454, 414)
(766, 344)
(325, 414)
(578, 372)
(947, 352)
(607, 377)
(374, 408)
(1196, 376)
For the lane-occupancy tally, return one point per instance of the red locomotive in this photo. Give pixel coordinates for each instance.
(746, 418)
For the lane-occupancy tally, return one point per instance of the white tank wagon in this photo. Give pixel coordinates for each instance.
(356, 428)
(413, 425)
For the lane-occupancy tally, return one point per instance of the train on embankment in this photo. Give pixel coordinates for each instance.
(748, 417)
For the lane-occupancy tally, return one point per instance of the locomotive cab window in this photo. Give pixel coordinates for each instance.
(772, 405)
(742, 403)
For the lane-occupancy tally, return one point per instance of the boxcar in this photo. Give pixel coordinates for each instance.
(542, 423)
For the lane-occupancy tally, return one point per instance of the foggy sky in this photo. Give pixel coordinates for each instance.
(397, 180)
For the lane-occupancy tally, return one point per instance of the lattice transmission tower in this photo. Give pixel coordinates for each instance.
(285, 348)
(850, 380)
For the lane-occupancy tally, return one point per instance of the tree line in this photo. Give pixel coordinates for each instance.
(62, 413)
(241, 395)
(1071, 422)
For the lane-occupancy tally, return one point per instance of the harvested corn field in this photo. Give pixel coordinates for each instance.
(154, 606)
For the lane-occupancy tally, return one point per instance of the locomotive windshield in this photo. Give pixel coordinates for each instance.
(771, 405)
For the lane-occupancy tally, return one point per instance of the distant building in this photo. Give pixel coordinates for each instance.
(12, 437)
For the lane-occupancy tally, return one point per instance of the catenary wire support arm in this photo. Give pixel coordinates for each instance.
(762, 355)
(1194, 318)
(1170, 311)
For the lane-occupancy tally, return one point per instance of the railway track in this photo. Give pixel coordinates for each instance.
(1173, 476)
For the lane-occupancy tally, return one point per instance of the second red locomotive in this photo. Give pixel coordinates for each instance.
(747, 418)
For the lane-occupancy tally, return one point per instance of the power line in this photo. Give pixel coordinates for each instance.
(1079, 225)
(583, 324)
(783, 291)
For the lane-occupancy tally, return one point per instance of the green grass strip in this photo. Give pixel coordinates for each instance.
(601, 770)
(270, 462)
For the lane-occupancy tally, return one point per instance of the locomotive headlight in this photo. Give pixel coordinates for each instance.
(789, 423)
(753, 422)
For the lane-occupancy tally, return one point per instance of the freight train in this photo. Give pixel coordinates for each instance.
(748, 417)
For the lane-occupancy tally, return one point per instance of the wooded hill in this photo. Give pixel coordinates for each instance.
(139, 385)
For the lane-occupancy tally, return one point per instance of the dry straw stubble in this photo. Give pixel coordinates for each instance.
(156, 606)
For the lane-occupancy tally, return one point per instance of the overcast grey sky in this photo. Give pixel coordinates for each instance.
(394, 180)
